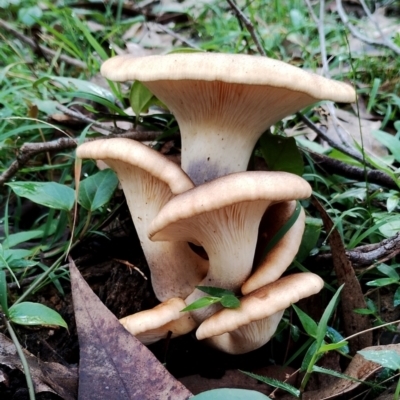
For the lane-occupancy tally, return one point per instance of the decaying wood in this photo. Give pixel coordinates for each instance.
(351, 296)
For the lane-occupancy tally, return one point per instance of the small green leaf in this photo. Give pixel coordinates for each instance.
(387, 358)
(363, 311)
(392, 202)
(388, 271)
(309, 325)
(27, 313)
(203, 302)
(96, 190)
(30, 15)
(231, 394)
(281, 153)
(390, 141)
(382, 282)
(332, 346)
(310, 238)
(3, 292)
(21, 237)
(336, 337)
(309, 356)
(230, 301)
(215, 291)
(49, 194)
(275, 383)
(139, 97)
(396, 299)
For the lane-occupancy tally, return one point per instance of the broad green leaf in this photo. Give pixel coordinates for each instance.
(387, 358)
(310, 238)
(96, 190)
(30, 15)
(275, 383)
(309, 325)
(49, 194)
(281, 154)
(323, 323)
(203, 302)
(231, 394)
(382, 282)
(215, 291)
(388, 271)
(392, 202)
(21, 237)
(3, 292)
(139, 97)
(390, 141)
(230, 301)
(28, 313)
(396, 298)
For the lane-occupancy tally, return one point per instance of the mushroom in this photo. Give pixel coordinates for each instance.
(223, 216)
(224, 102)
(152, 325)
(149, 180)
(250, 326)
(281, 255)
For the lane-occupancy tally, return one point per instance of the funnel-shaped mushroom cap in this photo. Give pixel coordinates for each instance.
(278, 259)
(149, 180)
(152, 325)
(255, 309)
(224, 102)
(223, 216)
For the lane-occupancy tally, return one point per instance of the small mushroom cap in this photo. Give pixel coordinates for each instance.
(149, 160)
(225, 191)
(262, 303)
(152, 325)
(232, 68)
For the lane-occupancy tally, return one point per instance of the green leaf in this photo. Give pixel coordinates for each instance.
(3, 292)
(388, 271)
(281, 153)
(282, 230)
(49, 194)
(392, 202)
(390, 141)
(203, 302)
(139, 97)
(275, 383)
(387, 358)
(336, 337)
(230, 301)
(215, 291)
(396, 299)
(332, 346)
(27, 313)
(21, 237)
(382, 282)
(310, 238)
(312, 350)
(309, 325)
(30, 15)
(363, 311)
(231, 394)
(96, 190)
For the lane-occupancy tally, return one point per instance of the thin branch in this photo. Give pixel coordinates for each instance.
(249, 26)
(349, 171)
(383, 42)
(43, 49)
(29, 150)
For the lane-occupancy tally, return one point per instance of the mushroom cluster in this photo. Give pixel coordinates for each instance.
(222, 103)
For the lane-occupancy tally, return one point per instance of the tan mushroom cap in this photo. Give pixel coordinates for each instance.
(231, 68)
(152, 325)
(279, 258)
(224, 102)
(149, 180)
(262, 303)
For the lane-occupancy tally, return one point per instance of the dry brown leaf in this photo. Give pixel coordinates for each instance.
(359, 368)
(113, 363)
(46, 376)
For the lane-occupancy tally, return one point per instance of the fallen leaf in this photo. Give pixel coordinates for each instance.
(114, 364)
(359, 368)
(46, 376)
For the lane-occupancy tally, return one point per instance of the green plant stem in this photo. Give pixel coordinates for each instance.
(87, 223)
(308, 373)
(22, 357)
(397, 392)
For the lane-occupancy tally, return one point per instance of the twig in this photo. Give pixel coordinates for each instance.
(372, 253)
(177, 36)
(383, 42)
(249, 26)
(45, 50)
(349, 171)
(29, 150)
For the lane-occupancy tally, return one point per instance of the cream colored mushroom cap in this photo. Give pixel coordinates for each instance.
(137, 154)
(275, 186)
(232, 68)
(261, 304)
